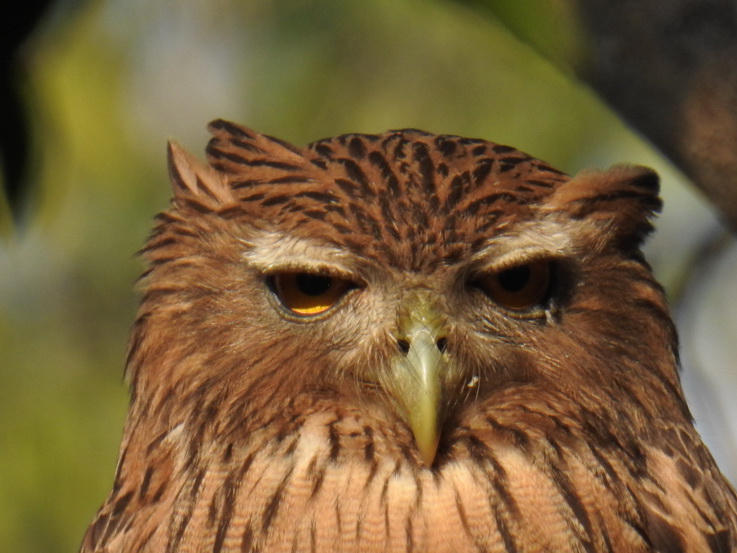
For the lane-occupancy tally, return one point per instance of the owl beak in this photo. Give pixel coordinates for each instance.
(420, 369)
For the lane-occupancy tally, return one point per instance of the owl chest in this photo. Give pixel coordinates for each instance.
(309, 500)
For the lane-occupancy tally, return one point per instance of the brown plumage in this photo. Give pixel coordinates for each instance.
(405, 342)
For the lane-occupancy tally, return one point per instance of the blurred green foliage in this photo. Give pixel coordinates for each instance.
(109, 86)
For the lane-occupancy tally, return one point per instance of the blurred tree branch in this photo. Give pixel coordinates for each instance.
(668, 67)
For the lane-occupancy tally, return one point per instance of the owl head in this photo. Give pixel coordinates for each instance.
(414, 279)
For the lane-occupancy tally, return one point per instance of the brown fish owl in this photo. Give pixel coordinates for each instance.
(405, 342)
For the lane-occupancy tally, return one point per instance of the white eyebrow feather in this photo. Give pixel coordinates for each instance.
(548, 237)
(271, 251)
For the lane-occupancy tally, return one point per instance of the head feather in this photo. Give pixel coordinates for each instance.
(194, 179)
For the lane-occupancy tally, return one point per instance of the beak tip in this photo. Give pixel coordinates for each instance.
(427, 454)
(427, 445)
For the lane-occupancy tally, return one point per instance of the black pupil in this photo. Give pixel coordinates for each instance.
(515, 279)
(313, 285)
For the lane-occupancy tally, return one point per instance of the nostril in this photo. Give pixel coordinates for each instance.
(442, 344)
(403, 345)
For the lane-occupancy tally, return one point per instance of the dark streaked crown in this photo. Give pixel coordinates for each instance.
(409, 198)
(406, 198)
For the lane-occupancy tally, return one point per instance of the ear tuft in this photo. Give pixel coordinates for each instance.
(194, 178)
(237, 150)
(623, 198)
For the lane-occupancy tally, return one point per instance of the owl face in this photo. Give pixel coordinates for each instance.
(410, 275)
(405, 342)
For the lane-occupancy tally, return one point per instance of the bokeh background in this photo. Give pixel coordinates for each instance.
(107, 82)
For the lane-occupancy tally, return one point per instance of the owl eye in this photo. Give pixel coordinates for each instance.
(309, 293)
(519, 288)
